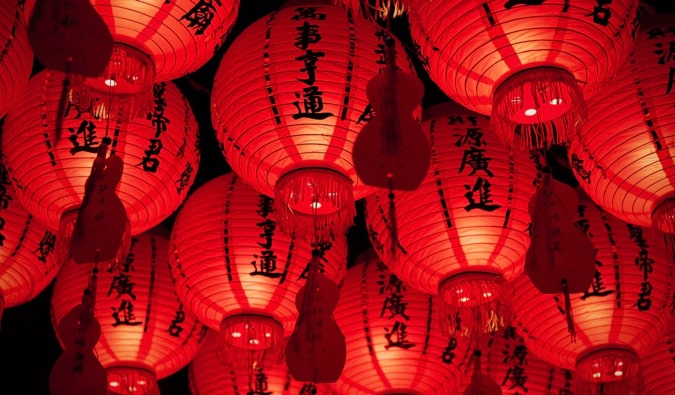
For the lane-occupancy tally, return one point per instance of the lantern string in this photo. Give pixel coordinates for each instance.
(568, 310)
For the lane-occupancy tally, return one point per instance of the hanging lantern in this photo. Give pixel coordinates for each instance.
(506, 359)
(395, 343)
(159, 152)
(207, 377)
(146, 332)
(659, 365)
(624, 157)
(16, 58)
(463, 232)
(155, 41)
(236, 272)
(289, 100)
(28, 261)
(527, 63)
(616, 320)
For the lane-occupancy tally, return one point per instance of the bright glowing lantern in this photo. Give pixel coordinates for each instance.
(527, 63)
(159, 152)
(234, 269)
(289, 100)
(624, 157)
(395, 339)
(28, 261)
(16, 58)
(616, 320)
(506, 359)
(146, 332)
(463, 232)
(208, 377)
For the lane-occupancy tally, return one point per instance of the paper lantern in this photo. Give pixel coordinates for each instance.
(49, 171)
(16, 58)
(28, 261)
(659, 365)
(207, 377)
(506, 359)
(146, 332)
(155, 41)
(527, 63)
(463, 232)
(289, 99)
(619, 317)
(623, 158)
(235, 271)
(395, 341)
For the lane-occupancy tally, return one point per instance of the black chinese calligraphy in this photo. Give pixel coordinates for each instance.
(201, 15)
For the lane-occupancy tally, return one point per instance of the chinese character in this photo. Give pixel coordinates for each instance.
(395, 305)
(597, 286)
(175, 329)
(476, 160)
(516, 376)
(482, 186)
(46, 246)
(448, 354)
(397, 337)
(201, 15)
(124, 314)
(122, 284)
(86, 130)
(578, 167)
(307, 13)
(185, 177)
(601, 13)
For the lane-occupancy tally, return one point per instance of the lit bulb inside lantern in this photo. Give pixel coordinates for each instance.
(530, 112)
(597, 375)
(236, 334)
(487, 294)
(114, 384)
(110, 82)
(463, 299)
(618, 373)
(267, 334)
(254, 341)
(556, 101)
(315, 205)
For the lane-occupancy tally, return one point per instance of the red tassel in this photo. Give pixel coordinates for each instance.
(393, 229)
(568, 311)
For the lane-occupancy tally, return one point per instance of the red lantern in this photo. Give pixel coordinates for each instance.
(659, 365)
(395, 343)
(146, 332)
(528, 64)
(463, 232)
(506, 359)
(159, 152)
(618, 318)
(155, 41)
(16, 59)
(28, 262)
(289, 99)
(624, 157)
(208, 377)
(235, 271)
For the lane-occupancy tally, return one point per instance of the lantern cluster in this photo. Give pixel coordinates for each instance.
(289, 99)
(16, 58)
(146, 332)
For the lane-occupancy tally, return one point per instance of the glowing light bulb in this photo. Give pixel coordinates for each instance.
(114, 384)
(236, 334)
(463, 299)
(254, 341)
(110, 82)
(597, 375)
(618, 373)
(487, 294)
(315, 205)
(556, 101)
(530, 112)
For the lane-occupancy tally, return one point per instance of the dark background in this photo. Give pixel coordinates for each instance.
(28, 347)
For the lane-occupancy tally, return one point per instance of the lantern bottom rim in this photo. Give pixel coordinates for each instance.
(250, 331)
(130, 379)
(615, 367)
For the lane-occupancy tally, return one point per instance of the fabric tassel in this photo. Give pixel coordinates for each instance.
(568, 311)
(546, 84)
(393, 227)
(373, 9)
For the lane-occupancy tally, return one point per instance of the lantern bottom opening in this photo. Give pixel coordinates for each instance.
(544, 102)
(477, 300)
(131, 380)
(123, 91)
(251, 332)
(314, 203)
(609, 370)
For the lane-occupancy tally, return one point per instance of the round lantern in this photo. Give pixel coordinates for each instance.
(463, 232)
(146, 332)
(506, 359)
(616, 320)
(16, 56)
(154, 41)
(659, 365)
(527, 63)
(289, 100)
(159, 152)
(395, 341)
(624, 157)
(235, 271)
(207, 377)
(28, 262)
